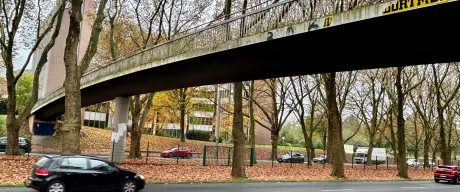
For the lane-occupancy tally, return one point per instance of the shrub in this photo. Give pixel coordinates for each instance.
(198, 135)
(2, 125)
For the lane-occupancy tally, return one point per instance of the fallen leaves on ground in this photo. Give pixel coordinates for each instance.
(97, 141)
(15, 169)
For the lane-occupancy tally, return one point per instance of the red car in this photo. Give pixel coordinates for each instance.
(447, 173)
(177, 152)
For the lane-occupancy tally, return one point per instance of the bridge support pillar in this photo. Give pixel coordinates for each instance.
(120, 120)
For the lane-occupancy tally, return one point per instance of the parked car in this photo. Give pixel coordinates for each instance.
(447, 173)
(431, 163)
(76, 173)
(295, 158)
(24, 145)
(177, 152)
(413, 163)
(320, 159)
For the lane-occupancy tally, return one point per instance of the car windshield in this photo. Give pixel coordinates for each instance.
(359, 155)
(445, 168)
(3, 140)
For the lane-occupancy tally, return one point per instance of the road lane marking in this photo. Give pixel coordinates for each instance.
(412, 187)
(338, 190)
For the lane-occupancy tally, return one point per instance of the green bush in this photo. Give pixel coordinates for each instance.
(198, 135)
(2, 125)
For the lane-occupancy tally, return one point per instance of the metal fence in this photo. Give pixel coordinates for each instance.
(223, 155)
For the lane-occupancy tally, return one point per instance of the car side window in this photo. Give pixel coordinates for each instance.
(74, 163)
(98, 165)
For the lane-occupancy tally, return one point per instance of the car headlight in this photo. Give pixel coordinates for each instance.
(140, 176)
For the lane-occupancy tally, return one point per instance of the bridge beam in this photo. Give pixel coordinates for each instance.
(120, 120)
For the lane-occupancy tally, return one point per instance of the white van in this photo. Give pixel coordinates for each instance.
(379, 155)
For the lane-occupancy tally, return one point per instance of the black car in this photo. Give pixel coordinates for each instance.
(24, 145)
(295, 158)
(77, 173)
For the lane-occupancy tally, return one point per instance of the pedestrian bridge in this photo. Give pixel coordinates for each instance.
(275, 41)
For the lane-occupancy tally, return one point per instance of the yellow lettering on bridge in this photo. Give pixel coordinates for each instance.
(327, 21)
(404, 5)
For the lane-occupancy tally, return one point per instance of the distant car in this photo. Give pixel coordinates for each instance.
(320, 159)
(295, 158)
(447, 173)
(77, 173)
(24, 145)
(431, 163)
(413, 163)
(177, 152)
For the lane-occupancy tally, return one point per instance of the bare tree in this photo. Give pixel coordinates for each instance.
(343, 86)
(414, 134)
(301, 90)
(368, 100)
(445, 92)
(17, 19)
(423, 103)
(404, 85)
(271, 101)
(74, 72)
(335, 129)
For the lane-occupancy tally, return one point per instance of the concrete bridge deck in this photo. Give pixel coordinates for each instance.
(395, 33)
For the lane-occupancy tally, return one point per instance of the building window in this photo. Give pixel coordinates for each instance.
(201, 120)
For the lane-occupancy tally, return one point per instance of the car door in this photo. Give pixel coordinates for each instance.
(75, 173)
(183, 152)
(106, 176)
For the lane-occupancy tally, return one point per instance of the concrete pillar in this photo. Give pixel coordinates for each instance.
(120, 120)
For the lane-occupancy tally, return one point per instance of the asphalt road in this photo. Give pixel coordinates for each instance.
(426, 186)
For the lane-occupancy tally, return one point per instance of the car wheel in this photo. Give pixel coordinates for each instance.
(56, 186)
(189, 156)
(129, 186)
(456, 181)
(436, 180)
(302, 161)
(171, 155)
(22, 151)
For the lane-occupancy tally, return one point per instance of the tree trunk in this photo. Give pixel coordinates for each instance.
(330, 142)
(72, 120)
(214, 111)
(335, 129)
(307, 142)
(182, 114)
(439, 109)
(135, 148)
(252, 132)
(238, 168)
(325, 139)
(369, 151)
(402, 171)
(312, 148)
(426, 148)
(12, 127)
(275, 139)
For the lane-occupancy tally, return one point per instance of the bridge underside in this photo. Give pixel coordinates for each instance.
(423, 36)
